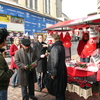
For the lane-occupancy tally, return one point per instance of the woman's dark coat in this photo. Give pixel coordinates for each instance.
(56, 67)
(21, 60)
(42, 63)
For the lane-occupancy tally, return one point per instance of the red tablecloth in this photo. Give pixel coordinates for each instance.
(78, 73)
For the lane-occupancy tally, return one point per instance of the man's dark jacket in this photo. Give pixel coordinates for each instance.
(5, 73)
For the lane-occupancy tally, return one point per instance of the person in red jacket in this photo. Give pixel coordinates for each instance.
(15, 46)
(81, 46)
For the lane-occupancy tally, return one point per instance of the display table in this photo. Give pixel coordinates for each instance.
(78, 73)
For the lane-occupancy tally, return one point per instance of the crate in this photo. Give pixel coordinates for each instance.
(85, 93)
(76, 89)
(69, 87)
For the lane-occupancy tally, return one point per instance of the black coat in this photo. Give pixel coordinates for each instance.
(42, 63)
(56, 67)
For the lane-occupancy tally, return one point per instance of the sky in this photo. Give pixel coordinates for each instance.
(78, 8)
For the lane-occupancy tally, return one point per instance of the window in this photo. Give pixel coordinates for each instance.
(27, 3)
(31, 4)
(47, 6)
(36, 4)
(17, 1)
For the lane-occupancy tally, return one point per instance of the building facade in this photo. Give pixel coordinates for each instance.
(48, 7)
(98, 6)
(29, 16)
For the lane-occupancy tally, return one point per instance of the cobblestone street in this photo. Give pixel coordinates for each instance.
(15, 94)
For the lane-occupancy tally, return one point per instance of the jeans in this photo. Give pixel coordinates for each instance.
(85, 60)
(3, 95)
(15, 77)
(40, 80)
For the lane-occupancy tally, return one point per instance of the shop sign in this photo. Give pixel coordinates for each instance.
(4, 18)
(15, 19)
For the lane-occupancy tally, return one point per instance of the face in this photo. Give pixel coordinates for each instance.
(53, 40)
(98, 50)
(26, 48)
(85, 37)
(40, 38)
(17, 41)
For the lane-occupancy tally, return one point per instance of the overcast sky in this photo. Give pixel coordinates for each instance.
(78, 8)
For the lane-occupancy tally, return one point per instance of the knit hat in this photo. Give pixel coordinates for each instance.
(26, 42)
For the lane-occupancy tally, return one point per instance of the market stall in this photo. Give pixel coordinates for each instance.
(91, 25)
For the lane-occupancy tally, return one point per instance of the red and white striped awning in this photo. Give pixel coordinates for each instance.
(78, 23)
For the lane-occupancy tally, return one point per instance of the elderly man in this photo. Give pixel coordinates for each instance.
(26, 77)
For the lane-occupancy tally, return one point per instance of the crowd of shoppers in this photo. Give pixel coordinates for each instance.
(31, 65)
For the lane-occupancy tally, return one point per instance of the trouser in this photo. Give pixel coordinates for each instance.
(28, 91)
(40, 79)
(3, 95)
(85, 60)
(61, 97)
(15, 77)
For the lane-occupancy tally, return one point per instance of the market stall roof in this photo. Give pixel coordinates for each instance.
(77, 23)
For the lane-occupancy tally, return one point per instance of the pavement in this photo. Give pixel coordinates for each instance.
(15, 93)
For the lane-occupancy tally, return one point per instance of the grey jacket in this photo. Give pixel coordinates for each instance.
(21, 60)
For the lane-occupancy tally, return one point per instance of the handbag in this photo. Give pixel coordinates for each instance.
(51, 84)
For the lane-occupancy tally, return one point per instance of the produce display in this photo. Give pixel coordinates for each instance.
(82, 65)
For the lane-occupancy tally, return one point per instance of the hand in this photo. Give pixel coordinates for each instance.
(25, 67)
(46, 54)
(42, 56)
(45, 45)
(53, 77)
(12, 70)
(34, 65)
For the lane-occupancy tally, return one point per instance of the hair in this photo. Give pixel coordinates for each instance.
(3, 35)
(39, 35)
(55, 36)
(15, 39)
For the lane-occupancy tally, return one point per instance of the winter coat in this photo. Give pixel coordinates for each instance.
(5, 73)
(21, 60)
(80, 48)
(42, 63)
(13, 49)
(56, 67)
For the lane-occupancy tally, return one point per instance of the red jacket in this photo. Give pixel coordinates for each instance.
(80, 48)
(13, 49)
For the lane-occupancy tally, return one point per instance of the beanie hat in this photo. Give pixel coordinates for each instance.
(26, 42)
